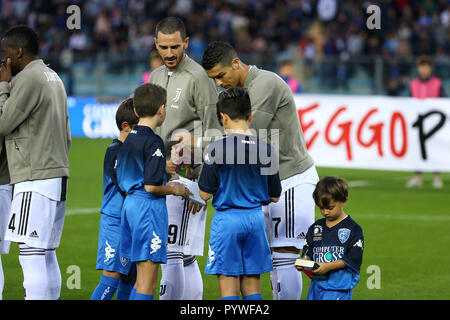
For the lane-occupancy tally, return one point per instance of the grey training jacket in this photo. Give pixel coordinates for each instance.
(35, 123)
(191, 100)
(273, 107)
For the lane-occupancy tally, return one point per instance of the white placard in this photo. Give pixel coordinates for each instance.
(376, 132)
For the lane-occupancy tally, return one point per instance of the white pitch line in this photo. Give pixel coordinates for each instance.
(359, 183)
(73, 211)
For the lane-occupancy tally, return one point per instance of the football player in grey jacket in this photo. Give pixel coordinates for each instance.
(35, 123)
(191, 104)
(275, 118)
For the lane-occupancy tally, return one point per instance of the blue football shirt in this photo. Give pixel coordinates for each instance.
(344, 241)
(112, 196)
(141, 161)
(241, 172)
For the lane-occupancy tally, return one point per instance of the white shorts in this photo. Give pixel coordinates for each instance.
(288, 220)
(36, 220)
(186, 230)
(5, 207)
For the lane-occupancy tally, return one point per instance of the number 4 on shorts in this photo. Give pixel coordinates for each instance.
(11, 222)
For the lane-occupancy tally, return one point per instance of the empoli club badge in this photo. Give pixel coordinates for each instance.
(343, 234)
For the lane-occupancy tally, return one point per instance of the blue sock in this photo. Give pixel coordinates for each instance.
(105, 289)
(257, 296)
(140, 296)
(230, 298)
(124, 290)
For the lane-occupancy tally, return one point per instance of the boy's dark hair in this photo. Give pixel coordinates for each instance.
(148, 97)
(218, 52)
(235, 102)
(22, 36)
(171, 25)
(285, 62)
(329, 188)
(125, 112)
(424, 60)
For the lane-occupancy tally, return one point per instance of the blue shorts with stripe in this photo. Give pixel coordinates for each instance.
(108, 252)
(144, 228)
(238, 243)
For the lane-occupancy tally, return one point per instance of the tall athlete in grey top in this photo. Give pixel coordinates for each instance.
(35, 122)
(274, 110)
(191, 102)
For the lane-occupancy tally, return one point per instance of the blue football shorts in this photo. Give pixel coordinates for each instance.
(108, 252)
(238, 243)
(316, 292)
(144, 228)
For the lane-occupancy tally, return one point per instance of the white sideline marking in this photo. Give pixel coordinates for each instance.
(73, 211)
(359, 183)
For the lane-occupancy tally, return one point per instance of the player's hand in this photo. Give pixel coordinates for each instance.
(180, 190)
(323, 268)
(5, 70)
(171, 167)
(183, 150)
(194, 207)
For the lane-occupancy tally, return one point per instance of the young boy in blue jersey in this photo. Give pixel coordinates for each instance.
(108, 258)
(240, 172)
(141, 173)
(335, 243)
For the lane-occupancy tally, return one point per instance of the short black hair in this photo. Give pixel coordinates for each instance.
(424, 59)
(171, 25)
(330, 188)
(148, 97)
(125, 112)
(235, 102)
(22, 36)
(218, 52)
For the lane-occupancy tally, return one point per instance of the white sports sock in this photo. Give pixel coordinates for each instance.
(53, 275)
(2, 279)
(193, 279)
(35, 280)
(288, 279)
(172, 277)
(274, 283)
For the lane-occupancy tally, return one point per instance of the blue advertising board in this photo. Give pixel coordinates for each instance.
(92, 119)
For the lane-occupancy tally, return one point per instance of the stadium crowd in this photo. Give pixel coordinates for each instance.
(316, 27)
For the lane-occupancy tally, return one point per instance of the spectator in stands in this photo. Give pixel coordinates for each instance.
(425, 86)
(154, 62)
(269, 28)
(287, 74)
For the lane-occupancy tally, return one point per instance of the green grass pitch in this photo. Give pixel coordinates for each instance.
(406, 234)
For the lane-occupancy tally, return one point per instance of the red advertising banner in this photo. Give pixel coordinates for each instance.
(376, 132)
